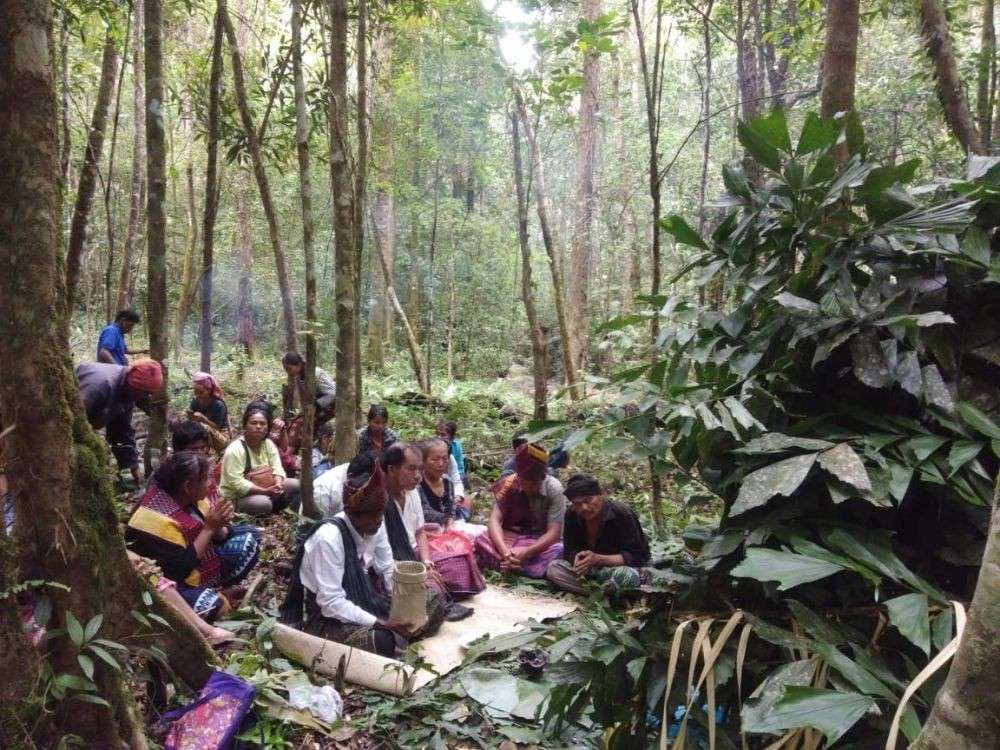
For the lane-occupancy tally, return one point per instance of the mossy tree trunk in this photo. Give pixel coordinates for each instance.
(65, 529)
(344, 442)
(966, 713)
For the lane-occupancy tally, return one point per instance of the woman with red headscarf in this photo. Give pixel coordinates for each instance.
(109, 392)
(208, 407)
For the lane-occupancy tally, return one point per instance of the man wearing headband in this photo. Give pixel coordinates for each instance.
(109, 393)
(525, 525)
(603, 541)
(333, 571)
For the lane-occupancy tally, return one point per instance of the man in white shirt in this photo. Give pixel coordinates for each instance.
(328, 491)
(337, 564)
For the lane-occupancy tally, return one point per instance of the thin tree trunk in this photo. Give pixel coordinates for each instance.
(137, 191)
(211, 188)
(452, 311)
(263, 185)
(360, 189)
(412, 344)
(156, 218)
(581, 256)
(305, 198)
(88, 172)
(706, 110)
(246, 334)
(986, 75)
(541, 201)
(63, 506)
(429, 329)
(344, 249)
(950, 91)
(109, 181)
(538, 365)
(966, 712)
(188, 288)
(652, 79)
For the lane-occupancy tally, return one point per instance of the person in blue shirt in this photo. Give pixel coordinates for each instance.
(111, 347)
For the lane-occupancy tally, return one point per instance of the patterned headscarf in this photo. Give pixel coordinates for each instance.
(530, 461)
(145, 376)
(370, 497)
(208, 380)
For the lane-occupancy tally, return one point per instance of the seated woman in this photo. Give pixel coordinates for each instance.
(252, 475)
(321, 450)
(342, 575)
(326, 388)
(447, 431)
(376, 436)
(451, 554)
(602, 542)
(526, 521)
(186, 530)
(208, 408)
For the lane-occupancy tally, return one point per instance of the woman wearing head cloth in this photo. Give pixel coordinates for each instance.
(603, 542)
(109, 393)
(252, 475)
(343, 571)
(208, 407)
(525, 525)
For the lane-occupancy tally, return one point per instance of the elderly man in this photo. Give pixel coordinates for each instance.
(109, 393)
(526, 522)
(602, 542)
(333, 572)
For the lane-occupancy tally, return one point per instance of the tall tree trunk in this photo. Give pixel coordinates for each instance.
(432, 247)
(380, 323)
(305, 198)
(109, 182)
(747, 74)
(840, 55)
(343, 221)
(263, 185)
(652, 83)
(966, 712)
(538, 366)
(188, 287)
(138, 183)
(65, 522)
(950, 91)
(360, 189)
(156, 218)
(211, 188)
(88, 172)
(581, 256)
(541, 201)
(246, 334)
(986, 75)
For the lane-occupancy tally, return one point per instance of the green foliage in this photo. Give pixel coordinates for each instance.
(824, 405)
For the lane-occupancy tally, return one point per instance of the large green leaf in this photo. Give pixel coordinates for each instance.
(787, 568)
(977, 420)
(504, 693)
(773, 129)
(909, 614)
(845, 464)
(761, 702)
(854, 673)
(681, 231)
(816, 134)
(758, 147)
(781, 478)
(829, 711)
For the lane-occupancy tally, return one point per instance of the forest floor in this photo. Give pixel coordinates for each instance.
(442, 714)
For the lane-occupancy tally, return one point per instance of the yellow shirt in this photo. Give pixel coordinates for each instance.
(234, 463)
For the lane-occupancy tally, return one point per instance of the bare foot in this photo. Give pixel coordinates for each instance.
(218, 636)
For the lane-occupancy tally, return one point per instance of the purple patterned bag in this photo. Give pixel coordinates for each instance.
(213, 721)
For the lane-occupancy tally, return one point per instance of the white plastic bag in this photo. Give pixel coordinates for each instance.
(323, 702)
